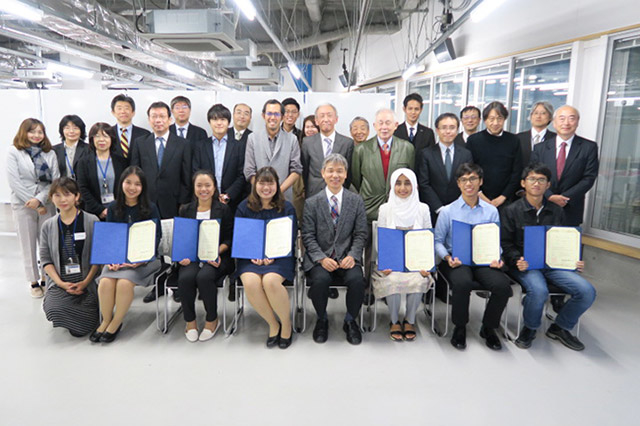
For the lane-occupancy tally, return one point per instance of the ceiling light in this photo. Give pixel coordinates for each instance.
(484, 9)
(17, 8)
(295, 71)
(178, 70)
(69, 70)
(412, 70)
(247, 8)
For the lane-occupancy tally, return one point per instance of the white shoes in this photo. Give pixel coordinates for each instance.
(207, 334)
(37, 292)
(192, 335)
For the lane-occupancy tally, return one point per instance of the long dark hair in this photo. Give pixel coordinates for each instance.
(143, 199)
(202, 172)
(265, 174)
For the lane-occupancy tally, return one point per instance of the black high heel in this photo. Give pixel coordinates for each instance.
(285, 343)
(110, 337)
(274, 340)
(95, 336)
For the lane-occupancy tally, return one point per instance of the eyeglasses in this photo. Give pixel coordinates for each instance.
(541, 180)
(470, 117)
(273, 114)
(290, 112)
(472, 179)
(181, 107)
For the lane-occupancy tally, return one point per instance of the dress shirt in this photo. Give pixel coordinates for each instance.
(338, 196)
(380, 142)
(70, 153)
(559, 141)
(459, 210)
(185, 127)
(540, 137)
(238, 133)
(325, 145)
(272, 142)
(465, 136)
(443, 152)
(409, 127)
(219, 149)
(165, 138)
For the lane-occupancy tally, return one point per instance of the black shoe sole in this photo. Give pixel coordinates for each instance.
(554, 336)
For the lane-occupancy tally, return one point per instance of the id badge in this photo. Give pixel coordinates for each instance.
(107, 198)
(72, 269)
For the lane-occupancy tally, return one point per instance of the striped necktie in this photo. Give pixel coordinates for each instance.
(124, 143)
(329, 146)
(334, 210)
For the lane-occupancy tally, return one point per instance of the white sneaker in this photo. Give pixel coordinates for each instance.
(192, 335)
(207, 334)
(37, 292)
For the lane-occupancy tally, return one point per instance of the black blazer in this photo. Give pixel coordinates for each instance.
(222, 212)
(525, 144)
(136, 132)
(435, 189)
(243, 145)
(579, 175)
(459, 140)
(169, 185)
(194, 133)
(90, 182)
(424, 138)
(233, 180)
(81, 149)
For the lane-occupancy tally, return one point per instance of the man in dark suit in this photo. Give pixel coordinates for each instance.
(334, 232)
(291, 115)
(123, 109)
(540, 118)
(437, 179)
(181, 109)
(420, 136)
(470, 117)
(317, 147)
(222, 155)
(240, 131)
(573, 161)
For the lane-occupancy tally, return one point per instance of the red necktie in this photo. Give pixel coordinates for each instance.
(562, 158)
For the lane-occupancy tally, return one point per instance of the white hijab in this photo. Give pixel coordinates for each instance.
(404, 212)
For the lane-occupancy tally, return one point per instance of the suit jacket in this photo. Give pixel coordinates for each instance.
(194, 133)
(459, 140)
(423, 138)
(368, 175)
(232, 175)
(90, 182)
(579, 174)
(136, 132)
(321, 239)
(170, 184)
(243, 145)
(81, 149)
(525, 144)
(435, 189)
(313, 156)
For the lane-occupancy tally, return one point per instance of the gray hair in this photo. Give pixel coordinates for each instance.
(335, 158)
(567, 106)
(544, 104)
(327, 104)
(386, 110)
(358, 118)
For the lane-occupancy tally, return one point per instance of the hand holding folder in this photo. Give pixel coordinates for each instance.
(196, 240)
(120, 243)
(262, 239)
(406, 250)
(553, 247)
(477, 245)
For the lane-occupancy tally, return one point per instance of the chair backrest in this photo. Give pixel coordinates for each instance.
(166, 242)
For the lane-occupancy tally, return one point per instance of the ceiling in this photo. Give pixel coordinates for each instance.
(120, 39)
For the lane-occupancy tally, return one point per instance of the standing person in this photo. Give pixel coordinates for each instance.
(100, 169)
(359, 129)
(309, 126)
(420, 136)
(470, 117)
(275, 148)
(540, 118)
(290, 117)
(181, 109)
(498, 153)
(72, 133)
(71, 300)
(123, 108)
(403, 211)
(241, 120)
(202, 277)
(31, 167)
(117, 281)
(317, 147)
(263, 278)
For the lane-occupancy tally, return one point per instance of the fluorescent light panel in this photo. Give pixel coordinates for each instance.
(17, 8)
(246, 6)
(69, 70)
(411, 71)
(178, 70)
(295, 71)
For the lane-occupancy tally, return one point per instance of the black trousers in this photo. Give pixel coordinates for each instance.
(192, 278)
(461, 281)
(320, 280)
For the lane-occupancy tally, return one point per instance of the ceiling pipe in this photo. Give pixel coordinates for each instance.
(361, 20)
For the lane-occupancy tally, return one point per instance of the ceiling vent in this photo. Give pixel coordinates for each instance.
(260, 76)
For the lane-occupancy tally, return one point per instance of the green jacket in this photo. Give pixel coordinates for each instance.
(368, 177)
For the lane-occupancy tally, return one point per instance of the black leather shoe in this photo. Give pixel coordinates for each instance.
(274, 340)
(95, 336)
(333, 293)
(110, 337)
(525, 338)
(151, 296)
(354, 336)
(285, 343)
(459, 338)
(176, 296)
(572, 342)
(491, 338)
(557, 303)
(232, 292)
(321, 331)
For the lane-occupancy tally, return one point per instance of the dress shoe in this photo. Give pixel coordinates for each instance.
(191, 335)
(556, 333)
(285, 343)
(110, 337)
(491, 338)
(95, 336)
(321, 331)
(557, 303)
(151, 296)
(333, 293)
(525, 338)
(459, 338)
(232, 292)
(273, 340)
(354, 336)
(176, 296)
(36, 291)
(206, 334)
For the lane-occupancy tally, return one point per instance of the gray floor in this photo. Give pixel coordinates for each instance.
(48, 377)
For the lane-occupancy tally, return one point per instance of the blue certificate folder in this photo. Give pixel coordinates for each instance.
(535, 245)
(110, 243)
(185, 239)
(462, 244)
(391, 249)
(249, 237)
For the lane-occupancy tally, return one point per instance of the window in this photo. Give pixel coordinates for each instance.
(488, 84)
(538, 79)
(617, 195)
(390, 89)
(448, 94)
(423, 88)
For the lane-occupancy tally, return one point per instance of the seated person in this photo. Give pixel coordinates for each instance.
(469, 208)
(263, 278)
(334, 232)
(531, 210)
(117, 282)
(71, 300)
(403, 211)
(201, 277)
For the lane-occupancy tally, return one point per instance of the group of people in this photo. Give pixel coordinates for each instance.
(332, 185)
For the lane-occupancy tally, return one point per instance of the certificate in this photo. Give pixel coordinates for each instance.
(278, 237)
(164, 248)
(562, 247)
(262, 239)
(115, 243)
(406, 250)
(142, 241)
(485, 243)
(209, 240)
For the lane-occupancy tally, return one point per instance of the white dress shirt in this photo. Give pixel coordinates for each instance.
(559, 141)
(338, 196)
(166, 139)
(185, 127)
(325, 145)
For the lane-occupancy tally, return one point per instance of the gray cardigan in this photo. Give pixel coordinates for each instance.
(50, 249)
(23, 179)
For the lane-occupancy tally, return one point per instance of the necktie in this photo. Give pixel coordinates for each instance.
(536, 139)
(447, 163)
(385, 148)
(124, 143)
(562, 158)
(329, 146)
(411, 135)
(181, 130)
(238, 136)
(160, 150)
(334, 210)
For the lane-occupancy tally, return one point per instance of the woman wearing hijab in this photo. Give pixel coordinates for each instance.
(402, 211)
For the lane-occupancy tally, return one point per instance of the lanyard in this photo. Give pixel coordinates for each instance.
(104, 171)
(66, 157)
(68, 253)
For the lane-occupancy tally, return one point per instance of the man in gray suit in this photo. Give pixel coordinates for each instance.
(334, 231)
(317, 147)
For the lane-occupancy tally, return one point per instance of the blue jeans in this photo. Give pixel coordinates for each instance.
(535, 282)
